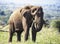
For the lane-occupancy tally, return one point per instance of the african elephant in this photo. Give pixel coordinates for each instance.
(24, 18)
(38, 21)
(19, 21)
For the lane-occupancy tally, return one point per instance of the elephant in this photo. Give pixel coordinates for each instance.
(19, 21)
(24, 18)
(37, 12)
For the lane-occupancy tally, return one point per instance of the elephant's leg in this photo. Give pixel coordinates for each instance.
(19, 35)
(33, 33)
(33, 36)
(26, 34)
(11, 32)
(11, 35)
(26, 31)
(25, 27)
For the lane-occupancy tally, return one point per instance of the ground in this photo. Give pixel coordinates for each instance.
(45, 36)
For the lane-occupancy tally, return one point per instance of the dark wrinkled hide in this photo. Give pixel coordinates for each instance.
(37, 22)
(22, 19)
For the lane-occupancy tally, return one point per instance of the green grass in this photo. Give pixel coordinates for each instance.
(45, 36)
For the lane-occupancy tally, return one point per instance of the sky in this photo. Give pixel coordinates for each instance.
(31, 2)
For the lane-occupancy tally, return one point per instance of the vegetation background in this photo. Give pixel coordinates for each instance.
(50, 33)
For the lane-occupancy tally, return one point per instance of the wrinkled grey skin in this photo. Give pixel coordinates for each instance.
(37, 24)
(19, 21)
(24, 18)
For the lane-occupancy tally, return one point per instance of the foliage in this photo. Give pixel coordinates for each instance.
(55, 23)
(4, 15)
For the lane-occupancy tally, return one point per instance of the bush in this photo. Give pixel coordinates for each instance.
(55, 24)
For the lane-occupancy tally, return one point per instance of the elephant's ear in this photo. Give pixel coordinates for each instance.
(24, 8)
(33, 11)
(40, 9)
(27, 14)
(27, 7)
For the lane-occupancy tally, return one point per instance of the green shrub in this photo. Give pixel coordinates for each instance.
(55, 23)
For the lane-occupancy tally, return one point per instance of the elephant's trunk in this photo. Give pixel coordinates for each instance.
(37, 26)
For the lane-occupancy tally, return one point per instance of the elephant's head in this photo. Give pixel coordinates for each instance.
(26, 12)
(37, 13)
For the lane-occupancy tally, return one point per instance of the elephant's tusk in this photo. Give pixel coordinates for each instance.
(33, 13)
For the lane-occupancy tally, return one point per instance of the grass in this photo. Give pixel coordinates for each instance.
(45, 36)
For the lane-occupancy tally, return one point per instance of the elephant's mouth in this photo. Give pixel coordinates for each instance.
(37, 26)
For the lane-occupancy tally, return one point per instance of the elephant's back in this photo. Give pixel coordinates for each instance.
(15, 16)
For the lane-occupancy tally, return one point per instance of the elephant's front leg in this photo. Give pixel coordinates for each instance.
(33, 33)
(33, 36)
(26, 34)
(25, 27)
(26, 31)
(18, 36)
